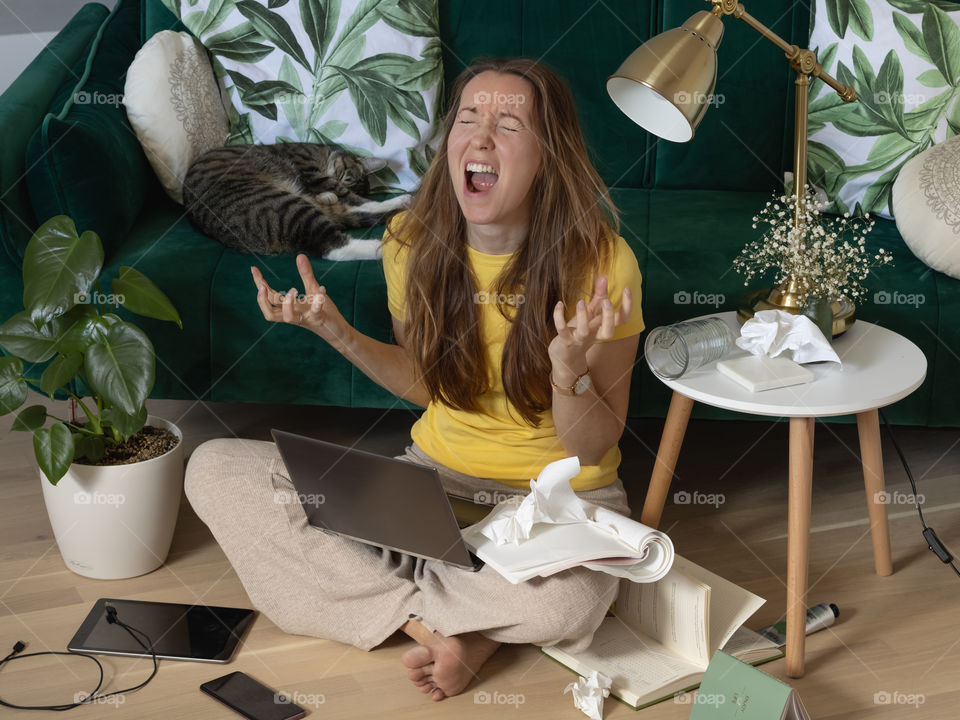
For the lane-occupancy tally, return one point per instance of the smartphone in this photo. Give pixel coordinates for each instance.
(242, 693)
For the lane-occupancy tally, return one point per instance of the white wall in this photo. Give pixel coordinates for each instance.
(26, 26)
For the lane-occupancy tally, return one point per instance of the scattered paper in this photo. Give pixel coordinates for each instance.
(771, 332)
(551, 500)
(588, 694)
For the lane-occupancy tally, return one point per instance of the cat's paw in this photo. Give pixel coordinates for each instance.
(327, 198)
(357, 249)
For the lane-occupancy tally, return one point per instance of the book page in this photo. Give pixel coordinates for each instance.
(638, 666)
(674, 611)
(730, 605)
(750, 646)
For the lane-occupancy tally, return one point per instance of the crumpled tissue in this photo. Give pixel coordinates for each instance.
(588, 694)
(551, 499)
(771, 332)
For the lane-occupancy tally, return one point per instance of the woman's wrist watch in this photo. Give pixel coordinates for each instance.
(579, 387)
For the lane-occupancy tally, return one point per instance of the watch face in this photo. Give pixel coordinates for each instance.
(582, 385)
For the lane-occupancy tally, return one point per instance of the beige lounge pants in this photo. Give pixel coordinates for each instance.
(309, 582)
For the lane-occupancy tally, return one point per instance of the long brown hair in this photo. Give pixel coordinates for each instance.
(572, 225)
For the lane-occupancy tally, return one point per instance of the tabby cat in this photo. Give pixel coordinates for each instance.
(287, 198)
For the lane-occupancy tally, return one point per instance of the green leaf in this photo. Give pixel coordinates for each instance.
(925, 117)
(333, 128)
(953, 120)
(276, 3)
(932, 78)
(861, 19)
(825, 59)
(912, 37)
(889, 89)
(273, 27)
(320, 18)
(888, 148)
(824, 167)
(138, 294)
(838, 15)
(120, 365)
(245, 51)
(217, 11)
(60, 371)
(942, 38)
(918, 6)
(293, 105)
(58, 268)
(411, 17)
(879, 196)
(420, 75)
(30, 419)
(53, 448)
(125, 423)
(362, 19)
(78, 328)
(267, 91)
(13, 388)
(90, 447)
(21, 337)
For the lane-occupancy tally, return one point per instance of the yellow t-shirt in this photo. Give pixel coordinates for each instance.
(491, 443)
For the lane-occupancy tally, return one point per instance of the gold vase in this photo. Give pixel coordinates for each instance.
(786, 297)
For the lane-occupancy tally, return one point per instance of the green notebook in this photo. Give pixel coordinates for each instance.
(663, 635)
(733, 690)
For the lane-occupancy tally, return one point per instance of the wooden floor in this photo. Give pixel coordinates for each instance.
(897, 636)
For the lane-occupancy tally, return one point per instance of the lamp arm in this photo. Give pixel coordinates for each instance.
(803, 61)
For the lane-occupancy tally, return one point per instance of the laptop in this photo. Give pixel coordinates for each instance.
(383, 501)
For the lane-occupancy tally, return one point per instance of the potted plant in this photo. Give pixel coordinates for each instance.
(111, 482)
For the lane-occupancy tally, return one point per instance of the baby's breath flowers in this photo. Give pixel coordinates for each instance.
(827, 257)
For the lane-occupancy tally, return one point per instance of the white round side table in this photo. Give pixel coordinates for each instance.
(879, 367)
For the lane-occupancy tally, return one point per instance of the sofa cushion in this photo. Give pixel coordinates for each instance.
(904, 66)
(22, 108)
(173, 103)
(926, 204)
(84, 160)
(361, 75)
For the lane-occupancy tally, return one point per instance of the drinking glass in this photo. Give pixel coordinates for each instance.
(675, 350)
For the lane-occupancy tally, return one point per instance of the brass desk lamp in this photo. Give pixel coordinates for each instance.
(666, 85)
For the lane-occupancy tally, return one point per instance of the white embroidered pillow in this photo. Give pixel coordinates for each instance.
(926, 203)
(173, 103)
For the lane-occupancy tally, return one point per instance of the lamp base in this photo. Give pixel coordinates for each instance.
(785, 298)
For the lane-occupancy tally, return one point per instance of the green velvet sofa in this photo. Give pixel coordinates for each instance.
(685, 208)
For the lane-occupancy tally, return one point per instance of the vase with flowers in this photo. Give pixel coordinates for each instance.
(819, 261)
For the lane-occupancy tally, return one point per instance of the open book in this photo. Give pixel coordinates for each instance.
(663, 635)
(604, 541)
(552, 529)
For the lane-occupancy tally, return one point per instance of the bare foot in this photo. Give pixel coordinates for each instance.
(444, 666)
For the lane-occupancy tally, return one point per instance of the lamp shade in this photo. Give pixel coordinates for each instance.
(666, 84)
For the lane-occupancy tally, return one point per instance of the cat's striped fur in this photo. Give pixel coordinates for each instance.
(286, 198)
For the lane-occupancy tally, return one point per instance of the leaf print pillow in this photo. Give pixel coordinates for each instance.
(903, 59)
(363, 75)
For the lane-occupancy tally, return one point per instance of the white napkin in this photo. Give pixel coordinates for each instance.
(551, 500)
(588, 694)
(771, 332)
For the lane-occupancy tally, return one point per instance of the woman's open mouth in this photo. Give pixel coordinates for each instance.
(480, 177)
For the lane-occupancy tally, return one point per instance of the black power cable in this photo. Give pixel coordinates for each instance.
(92, 696)
(933, 542)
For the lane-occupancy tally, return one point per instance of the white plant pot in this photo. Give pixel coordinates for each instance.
(117, 521)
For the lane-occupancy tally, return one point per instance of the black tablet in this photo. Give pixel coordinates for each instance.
(178, 632)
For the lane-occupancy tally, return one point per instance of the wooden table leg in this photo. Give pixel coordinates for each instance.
(798, 540)
(673, 430)
(868, 423)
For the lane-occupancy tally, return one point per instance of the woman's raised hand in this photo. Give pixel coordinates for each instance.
(594, 321)
(313, 309)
